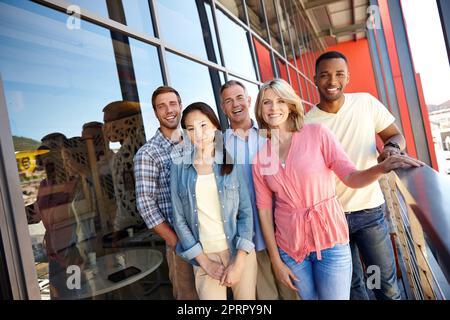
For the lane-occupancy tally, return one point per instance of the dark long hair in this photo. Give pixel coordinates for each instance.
(227, 165)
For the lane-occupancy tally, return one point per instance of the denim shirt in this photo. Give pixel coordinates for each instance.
(243, 151)
(236, 209)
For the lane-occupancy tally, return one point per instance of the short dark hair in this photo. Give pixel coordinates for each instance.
(330, 55)
(231, 83)
(164, 89)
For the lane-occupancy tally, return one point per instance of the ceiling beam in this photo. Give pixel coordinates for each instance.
(319, 3)
(351, 29)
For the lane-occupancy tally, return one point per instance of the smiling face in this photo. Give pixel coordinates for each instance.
(331, 79)
(201, 131)
(235, 104)
(168, 110)
(274, 110)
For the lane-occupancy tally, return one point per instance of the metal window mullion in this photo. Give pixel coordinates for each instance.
(250, 40)
(161, 47)
(294, 45)
(269, 37)
(277, 14)
(219, 41)
(302, 57)
(16, 238)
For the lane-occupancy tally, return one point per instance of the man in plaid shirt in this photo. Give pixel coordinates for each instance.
(152, 173)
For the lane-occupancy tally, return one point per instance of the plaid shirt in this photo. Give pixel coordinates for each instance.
(152, 173)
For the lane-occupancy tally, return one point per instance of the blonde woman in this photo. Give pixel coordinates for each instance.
(307, 235)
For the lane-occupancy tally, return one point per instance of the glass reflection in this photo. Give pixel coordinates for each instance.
(294, 81)
(99, 7)
(182, 26)
(148, 78)
(264, 61)
(181, 71)
(257, 18)
(235, 46)
(66, 106)
(235, 7)
(138, 16)
(282, 71)
(136, 12)
(274, 30)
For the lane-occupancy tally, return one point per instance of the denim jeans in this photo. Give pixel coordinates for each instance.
(370, 240)
(325, 279)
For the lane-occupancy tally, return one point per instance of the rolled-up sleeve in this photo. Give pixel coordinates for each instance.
(188, 247)
(146, 173)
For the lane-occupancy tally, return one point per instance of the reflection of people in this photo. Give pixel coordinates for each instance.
(123, 124)
(54, 207)
(242, 142)
(310, 244)
(152, 172)
(356, 119)
(212, 212)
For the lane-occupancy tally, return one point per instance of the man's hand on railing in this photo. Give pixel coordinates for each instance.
(387, 152)
(399, 161)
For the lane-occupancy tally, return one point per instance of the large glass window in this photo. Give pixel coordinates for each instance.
(294, 81)
(135, 12)
(235, 7)
(274, 30)
(182, 26)
(138, 16)
(99, 7)
(148, 78)
(257, 18)
(75, 132)
(282, 70)
(235, 46)
(264, 61)
(181, 72)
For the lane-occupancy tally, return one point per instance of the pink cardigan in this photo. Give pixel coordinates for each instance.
(308, 216)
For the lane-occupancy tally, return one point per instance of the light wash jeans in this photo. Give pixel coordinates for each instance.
(325, 279)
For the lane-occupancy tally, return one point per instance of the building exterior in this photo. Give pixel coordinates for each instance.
(63, 62)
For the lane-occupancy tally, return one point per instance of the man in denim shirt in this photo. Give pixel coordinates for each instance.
(152, 173)
(242, 142)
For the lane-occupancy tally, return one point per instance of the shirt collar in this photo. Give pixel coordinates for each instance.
(253, 127)
(163, 140)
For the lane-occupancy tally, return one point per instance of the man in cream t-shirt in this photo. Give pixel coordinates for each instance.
(356, 119)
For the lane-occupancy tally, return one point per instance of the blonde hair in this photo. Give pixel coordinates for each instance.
(285, 92)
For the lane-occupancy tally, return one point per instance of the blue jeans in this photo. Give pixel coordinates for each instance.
(325, 279)
(370, 240)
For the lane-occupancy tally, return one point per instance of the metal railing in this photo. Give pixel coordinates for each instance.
(418, 205)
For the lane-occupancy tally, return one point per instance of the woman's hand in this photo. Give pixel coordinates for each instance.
(398, 161)
(232, 274)
(214, 269)
(284, 275)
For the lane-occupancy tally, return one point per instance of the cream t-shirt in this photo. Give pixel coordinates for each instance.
(355, 125)
(211, 230)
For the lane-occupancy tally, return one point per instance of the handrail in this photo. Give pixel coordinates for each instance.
(427, 193)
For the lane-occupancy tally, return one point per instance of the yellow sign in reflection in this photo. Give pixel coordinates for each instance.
(26, 160)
